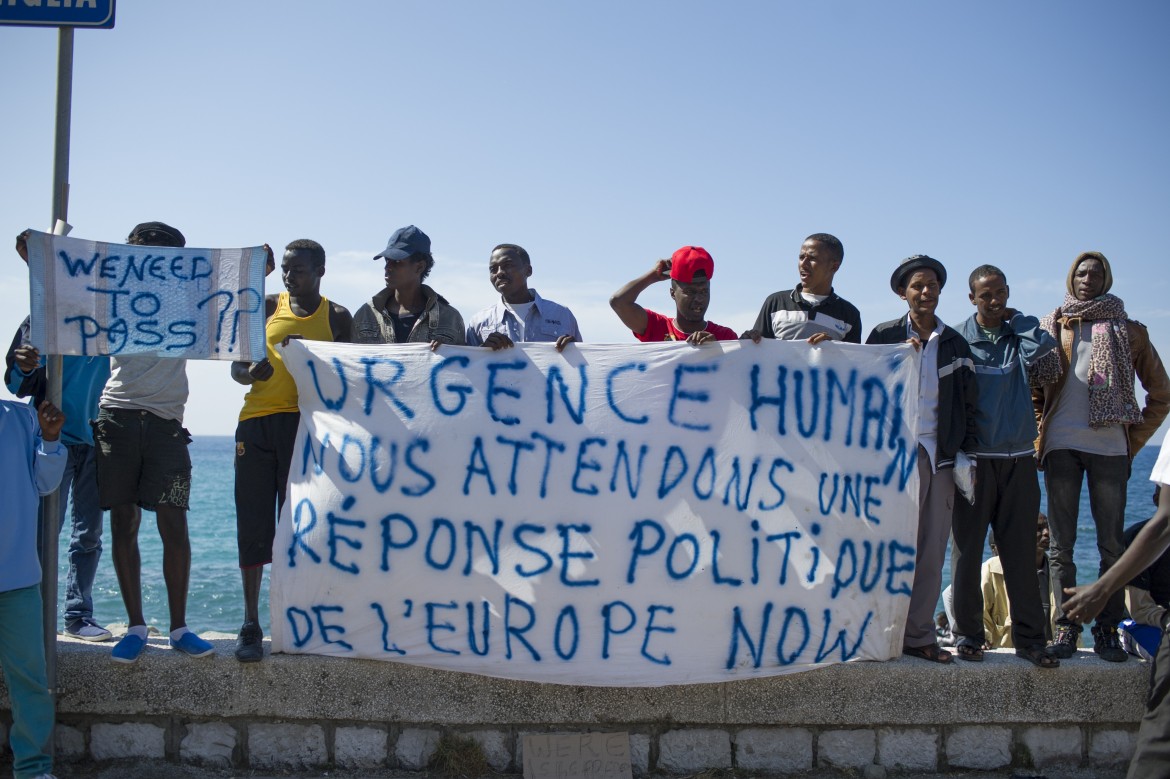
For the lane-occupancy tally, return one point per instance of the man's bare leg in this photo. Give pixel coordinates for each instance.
(176, 543)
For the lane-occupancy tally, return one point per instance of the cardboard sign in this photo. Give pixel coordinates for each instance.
(92, 298)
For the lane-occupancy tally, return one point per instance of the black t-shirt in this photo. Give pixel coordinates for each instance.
(1156, 578)
(402, 326)
(786, 315)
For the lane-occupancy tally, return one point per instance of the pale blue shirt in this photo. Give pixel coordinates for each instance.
(29, 467)
(546, 321)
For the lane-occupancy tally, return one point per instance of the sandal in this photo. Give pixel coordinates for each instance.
(1038, 656)
(970, 653)
(932, 652)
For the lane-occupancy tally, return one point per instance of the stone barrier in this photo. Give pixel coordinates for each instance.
(305, 712)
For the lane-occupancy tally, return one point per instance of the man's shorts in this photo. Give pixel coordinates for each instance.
(142, 459)
(264, 448)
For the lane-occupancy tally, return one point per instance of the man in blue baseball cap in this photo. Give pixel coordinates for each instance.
(407, 310)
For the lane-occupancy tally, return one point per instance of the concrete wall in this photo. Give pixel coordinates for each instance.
(296, 712)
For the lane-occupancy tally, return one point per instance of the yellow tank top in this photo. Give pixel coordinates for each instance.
(278, 395)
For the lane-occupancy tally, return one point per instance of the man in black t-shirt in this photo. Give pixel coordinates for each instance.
(811, 311)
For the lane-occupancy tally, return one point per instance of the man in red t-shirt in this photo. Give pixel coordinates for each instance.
(690, 270)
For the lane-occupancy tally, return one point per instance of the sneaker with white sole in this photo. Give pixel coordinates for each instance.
(88, 630)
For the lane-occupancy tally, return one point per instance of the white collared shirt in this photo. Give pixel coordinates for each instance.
(545, 321)
(928, 390)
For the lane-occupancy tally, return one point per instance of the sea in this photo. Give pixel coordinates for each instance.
(215, 600)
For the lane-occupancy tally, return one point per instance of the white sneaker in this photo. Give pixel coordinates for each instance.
(88, 630)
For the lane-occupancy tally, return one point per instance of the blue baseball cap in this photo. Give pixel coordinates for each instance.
(405, 242)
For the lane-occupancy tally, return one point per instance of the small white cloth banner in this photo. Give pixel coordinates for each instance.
(89, 298)
(614, 515)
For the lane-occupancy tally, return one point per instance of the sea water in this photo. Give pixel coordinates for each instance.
(215, 601)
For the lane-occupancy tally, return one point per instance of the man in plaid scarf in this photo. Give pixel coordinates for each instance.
(1090, 423)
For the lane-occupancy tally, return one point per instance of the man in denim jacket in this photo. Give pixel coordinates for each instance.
(1005, 346)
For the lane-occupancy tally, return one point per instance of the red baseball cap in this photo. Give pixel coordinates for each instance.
(688, 261)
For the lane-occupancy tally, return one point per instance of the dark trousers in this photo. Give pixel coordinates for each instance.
(1064, 473)
(1007, 499)
(1151, 758)
(264, 449)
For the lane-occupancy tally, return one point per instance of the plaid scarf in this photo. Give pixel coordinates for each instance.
(1111, 394)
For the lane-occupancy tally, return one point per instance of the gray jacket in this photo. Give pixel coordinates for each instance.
(439, 321)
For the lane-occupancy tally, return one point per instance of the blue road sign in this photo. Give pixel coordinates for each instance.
(57, 13)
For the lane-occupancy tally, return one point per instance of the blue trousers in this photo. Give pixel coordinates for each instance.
(22, 657)
(79, 482)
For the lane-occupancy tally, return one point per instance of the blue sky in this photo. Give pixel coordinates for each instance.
(604, 135)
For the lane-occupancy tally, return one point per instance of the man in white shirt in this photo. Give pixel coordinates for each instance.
(521, 315)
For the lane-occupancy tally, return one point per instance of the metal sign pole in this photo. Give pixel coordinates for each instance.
(51, 505)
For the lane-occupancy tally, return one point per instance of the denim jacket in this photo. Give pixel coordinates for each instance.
(1006, 423)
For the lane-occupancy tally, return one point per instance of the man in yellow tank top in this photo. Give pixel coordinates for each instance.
(267, 430)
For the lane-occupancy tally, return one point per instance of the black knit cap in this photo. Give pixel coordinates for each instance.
(156, 234)
(917, 262)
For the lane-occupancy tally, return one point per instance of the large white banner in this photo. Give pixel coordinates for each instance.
(614, 515)
(89, 298)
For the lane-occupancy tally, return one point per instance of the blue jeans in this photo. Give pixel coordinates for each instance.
(85, 540)
(22, 657)
(1064, 473)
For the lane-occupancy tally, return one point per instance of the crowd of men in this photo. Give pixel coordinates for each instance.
(1002, 396)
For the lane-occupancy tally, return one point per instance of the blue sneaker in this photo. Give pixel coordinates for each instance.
(193, 645)
(128, 649)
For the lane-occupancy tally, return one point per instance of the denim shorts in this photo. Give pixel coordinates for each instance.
(142, 459)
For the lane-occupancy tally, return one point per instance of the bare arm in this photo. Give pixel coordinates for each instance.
(625, 301)
(1086, 602)
(341, 323)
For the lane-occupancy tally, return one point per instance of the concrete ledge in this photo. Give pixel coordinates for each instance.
(298, 711)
